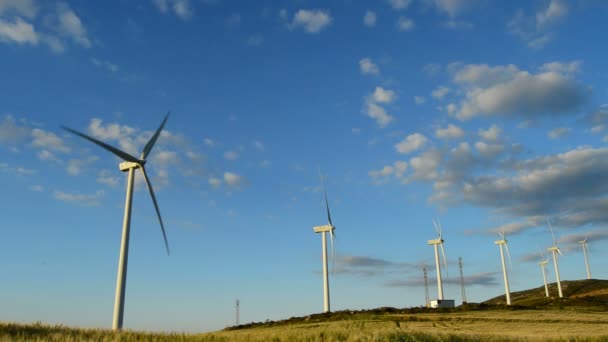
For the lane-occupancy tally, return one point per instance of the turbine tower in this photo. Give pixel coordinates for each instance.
(543, 270)
(329, 227)
(584, 245)
(438, 242)
(555, 250)
(463, 293)
(238, 305)
(426, 287)
(503, 242)
(130, 164)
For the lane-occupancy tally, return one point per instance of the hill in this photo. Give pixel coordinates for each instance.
(587, 293)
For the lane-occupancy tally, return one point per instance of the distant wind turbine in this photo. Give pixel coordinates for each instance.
(584, 245)
(130, 164)
(543, 270)
(500, 243)
(555, 250)
(329, 227)
(438, 241)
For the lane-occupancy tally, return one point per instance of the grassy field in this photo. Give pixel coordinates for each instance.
(477, 325)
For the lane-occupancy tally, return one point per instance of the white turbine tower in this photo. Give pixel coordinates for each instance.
(584, 245)
(555, 250)
(329, 227)
(435, 243)
(130, 164)
(503, 242)
(543, 270)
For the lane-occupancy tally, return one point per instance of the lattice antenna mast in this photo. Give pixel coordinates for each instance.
(426, 288)
(464, 294)
(238, 307)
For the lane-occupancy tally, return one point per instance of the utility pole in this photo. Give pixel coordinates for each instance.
(238, 303)
(426, 287)
(464, 295)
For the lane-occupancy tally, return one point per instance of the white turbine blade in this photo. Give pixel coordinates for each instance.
(332, 236)
(325, 196)
(560, 252)
(436, 228)
(440, 228)
(123, 155)
(552, 235)
(509, 254)
(162, 226)
(502, 235)
(152, 140)
(445, 261)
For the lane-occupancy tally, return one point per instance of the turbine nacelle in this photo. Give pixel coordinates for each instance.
(435, 242)
(126, 166)
(323, 228)
(500, 242)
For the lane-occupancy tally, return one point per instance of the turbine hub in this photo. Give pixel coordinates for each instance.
(126, 166)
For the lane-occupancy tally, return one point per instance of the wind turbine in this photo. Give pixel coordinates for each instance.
(584, 245)
(543, 270)
(435, 243)
(130, 164)
(555, 250)
(500, 243)
(329, 227)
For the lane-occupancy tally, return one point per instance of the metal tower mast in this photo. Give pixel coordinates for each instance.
(464, 295)
(426, 288)
(238, 303)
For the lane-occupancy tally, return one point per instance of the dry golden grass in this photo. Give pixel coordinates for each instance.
(486, 325)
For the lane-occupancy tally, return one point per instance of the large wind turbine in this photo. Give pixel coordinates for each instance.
(435, 243)
(130, 164)
(543, 270)
(500, 243)
(555, 250)
(584, 245)
(329, 227)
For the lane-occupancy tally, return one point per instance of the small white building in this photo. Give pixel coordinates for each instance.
(442, 303)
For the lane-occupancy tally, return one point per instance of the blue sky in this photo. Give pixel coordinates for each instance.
(489, 115)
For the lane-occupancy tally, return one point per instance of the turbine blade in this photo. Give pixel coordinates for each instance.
(502, 235)
(152, 140)
(437, 230)
(162, 226)
(551, 229)
(332, 236)
(560, 252)
(509, 254)
(445, 261)
(123, 155)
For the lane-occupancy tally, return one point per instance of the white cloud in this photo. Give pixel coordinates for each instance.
(453, 7)
(233, 180)
(566, 69)
(311, 21)
(107, 177)
(74, 166)
(490, 134)
(458, 25)
(214, 182)
(71, 26)
(489, 151)
(382, 95)
(80, 199)
(419, 100)
(431, 69)
(231, 155)
(255, 39)
(11, 131)
(425, 166)
(559, 132)
(19, 32)
(367, 67)
(369, 19)
(383, 175)
(450, 132)
(440, 92)
(556, 10)
(258, 145)
(534, 30)
(399, 4)
(405, 24)
(104, 64)
(411, 143)
(506, 90)
(181, 8)
(36, 188)
(48, 140)
(379, 114)
(25, 8)
(209, 142)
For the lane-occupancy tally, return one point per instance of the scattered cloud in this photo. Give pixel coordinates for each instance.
(411, 143)
(70, 25)
(405, 24)
(419, 100)
(440, 92)
(108, 178)
(231, 155)
(181, 8)
(106, 65)
(370, 18)
(558, 132)
(368, 67)
(255, 39)
(458, 25)
(491, 134)
(396, 170)
(489, 279)
(382, 95)
(365, 266)
(233, 180)
(535, 30)
(507, 90)
(48, 140)
(79, 199)
(379, 114)
(233, 21)
(12, 131)
(18, 31)
(450, 132)
(399, 4)
(311, 21)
